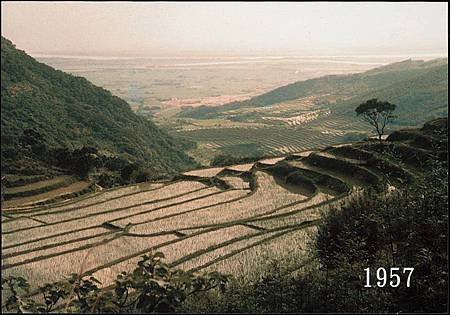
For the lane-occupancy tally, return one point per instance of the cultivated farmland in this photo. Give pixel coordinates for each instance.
(230, 219)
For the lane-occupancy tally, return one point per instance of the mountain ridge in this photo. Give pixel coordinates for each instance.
(70, 111)
(346, 86)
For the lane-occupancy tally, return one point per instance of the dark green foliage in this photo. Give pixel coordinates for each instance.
(127, 171)
(31, 137)
(374, 105)
(43, 106)
(226, 160)
(406, 229)
(14, 182)
(344, 167)
(83, 160)
(134, 173)
(151, 287)
(10, 195)
(352, 234)
(108, 179)
(378, 114)
(380, 163)
(437, 127)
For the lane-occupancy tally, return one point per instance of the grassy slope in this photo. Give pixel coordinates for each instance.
(70, 111)
(422, 84)
(418, 99)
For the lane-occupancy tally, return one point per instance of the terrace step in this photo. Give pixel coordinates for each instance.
(325, 182)
(347, 159)
(13, 180)
(75, 189)
(419, 139)
(38, 187)
(383, 165)
(409, 154)
(355, 174)
(287, 177)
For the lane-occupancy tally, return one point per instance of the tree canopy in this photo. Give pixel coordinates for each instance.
(377, 113)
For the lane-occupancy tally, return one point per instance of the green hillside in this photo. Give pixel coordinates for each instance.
(70, 112)
(417, 85)
(418, 99)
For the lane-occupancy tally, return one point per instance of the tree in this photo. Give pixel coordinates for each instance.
(83, 160)
(31, 137)
(376, 113)
(129, 172)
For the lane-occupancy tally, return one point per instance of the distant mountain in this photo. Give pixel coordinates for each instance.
(69, 111)
(418, 99)
(417, 87)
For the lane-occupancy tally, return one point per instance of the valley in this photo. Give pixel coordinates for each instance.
(226, 157)
(281, 104)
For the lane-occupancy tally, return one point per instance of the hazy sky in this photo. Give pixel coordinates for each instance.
(159, 28)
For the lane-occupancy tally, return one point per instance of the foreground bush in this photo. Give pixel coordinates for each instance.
(151, 287)
(405, 228)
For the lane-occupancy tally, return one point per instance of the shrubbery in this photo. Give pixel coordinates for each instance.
(151, 287)
(225, 160)
(404, 228)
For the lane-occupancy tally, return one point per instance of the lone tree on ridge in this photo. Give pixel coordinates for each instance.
(377, 114)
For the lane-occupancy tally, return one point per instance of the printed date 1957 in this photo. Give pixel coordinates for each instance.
(394, 277)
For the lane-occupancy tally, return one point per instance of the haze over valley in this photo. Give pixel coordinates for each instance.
(168, 82)
(224, 157)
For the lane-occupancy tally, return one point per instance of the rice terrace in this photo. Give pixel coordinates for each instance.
(228, 219)
(230, 157)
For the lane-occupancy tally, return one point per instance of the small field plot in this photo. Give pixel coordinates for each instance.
(236, 182)
(20, 223)
(92, 199)
(221, 248)
(268, 198)
(207, 172)
(131, 202)
(17, 246)
(43, 253)
(164, 217)
(302, 154)
(297, 217)
(346, 178)
(251, 259)
(272, 161)
(318, 200)
(187, 249)
(97, 216)
(89, 259)
(38, 186)
(89, 198)
(241, 167)
(76, 187)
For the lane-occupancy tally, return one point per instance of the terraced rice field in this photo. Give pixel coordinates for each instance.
(272, 140)
(267, 209)
(45, 191)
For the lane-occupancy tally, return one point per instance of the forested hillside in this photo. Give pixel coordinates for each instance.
(58, 110)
